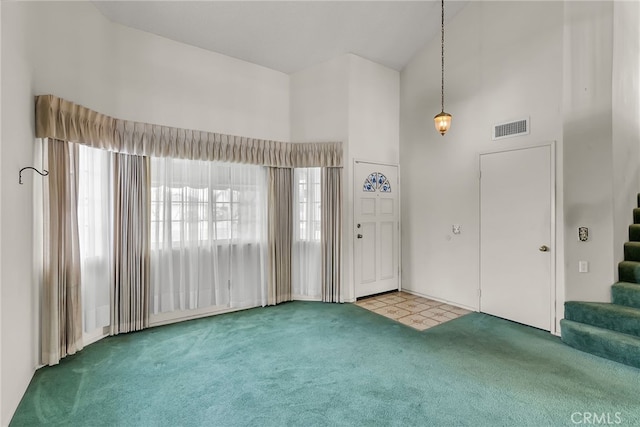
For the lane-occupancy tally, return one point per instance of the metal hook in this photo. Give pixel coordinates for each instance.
(43, 173)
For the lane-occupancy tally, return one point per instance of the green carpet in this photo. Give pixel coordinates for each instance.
(628, 294)
(309, 363)
(618, 346)
(634, 232)
(632, 251)
(629, 271)
(604, 315)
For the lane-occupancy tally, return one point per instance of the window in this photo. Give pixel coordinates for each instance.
(307, 255)
(196, 213)
(308, 203)
(208, 230)
(202, 201)
(376, 182)
(95, 228)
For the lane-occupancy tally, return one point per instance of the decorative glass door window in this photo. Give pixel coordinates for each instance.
(376, 182)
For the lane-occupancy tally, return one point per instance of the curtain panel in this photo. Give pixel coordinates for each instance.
(61, 299)
(331, 234)
(280, 234)
(64, 120)
(130, 290)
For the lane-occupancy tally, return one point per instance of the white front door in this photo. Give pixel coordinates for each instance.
(516, 239)
(376, 227)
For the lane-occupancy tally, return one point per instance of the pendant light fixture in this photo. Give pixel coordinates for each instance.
(442, 120)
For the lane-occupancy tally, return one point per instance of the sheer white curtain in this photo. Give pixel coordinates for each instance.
(307, 256)
(95, 219)
(208, 235)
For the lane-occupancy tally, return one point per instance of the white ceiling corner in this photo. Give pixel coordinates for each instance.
(290, 36)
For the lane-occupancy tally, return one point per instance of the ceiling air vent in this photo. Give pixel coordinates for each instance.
(511, 129)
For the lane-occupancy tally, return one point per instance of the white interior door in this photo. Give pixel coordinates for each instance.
(376, 228)
(516, 240)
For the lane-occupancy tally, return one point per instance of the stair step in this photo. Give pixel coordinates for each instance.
(634, 232)
(629, 271)
(611, 345)
(624, 293)
(636, 215)
(604, 315)
(638, 199)
(632, 251)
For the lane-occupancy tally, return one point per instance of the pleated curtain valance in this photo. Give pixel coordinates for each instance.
(63, 120)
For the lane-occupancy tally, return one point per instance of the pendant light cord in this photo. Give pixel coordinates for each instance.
(442, 56)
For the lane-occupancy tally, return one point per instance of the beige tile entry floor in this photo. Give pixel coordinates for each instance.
(418, 312)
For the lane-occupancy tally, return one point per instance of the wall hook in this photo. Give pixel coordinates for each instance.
(43, 173)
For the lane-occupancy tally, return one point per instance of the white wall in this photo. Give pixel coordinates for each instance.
(374, 109)
(117, 71)
(601, 139)
(320, 102)
(587, 134)
(356, 101)
(179, 85)
(18, 329)
(503, 62)
(626, 119)
(158, 80)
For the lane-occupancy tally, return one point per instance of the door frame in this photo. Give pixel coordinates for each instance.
(554, 238)
(353, 219)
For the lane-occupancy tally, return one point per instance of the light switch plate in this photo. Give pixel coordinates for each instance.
(583, 266)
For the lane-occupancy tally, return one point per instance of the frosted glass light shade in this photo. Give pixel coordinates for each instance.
(442, 122)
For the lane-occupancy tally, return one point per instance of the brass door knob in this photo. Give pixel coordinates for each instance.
(544, 248)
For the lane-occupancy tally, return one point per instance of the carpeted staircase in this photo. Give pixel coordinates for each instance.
(611, 330)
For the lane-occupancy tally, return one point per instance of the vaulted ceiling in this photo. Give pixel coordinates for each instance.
(290, 36)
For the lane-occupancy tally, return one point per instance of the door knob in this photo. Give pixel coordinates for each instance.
(544, 248)
(359, 236)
